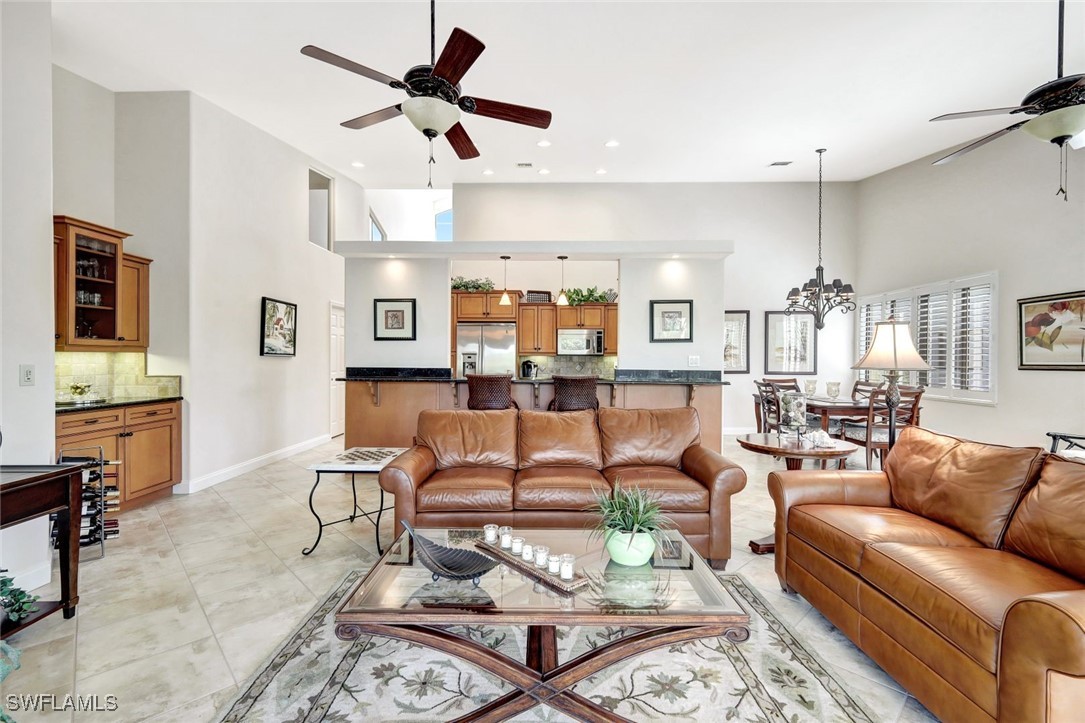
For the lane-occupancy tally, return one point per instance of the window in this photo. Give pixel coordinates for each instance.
(376, 231)
(952, 325)
(443, 223)
(320, 210)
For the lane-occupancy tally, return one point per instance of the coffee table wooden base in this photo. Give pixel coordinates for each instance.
(541, 680)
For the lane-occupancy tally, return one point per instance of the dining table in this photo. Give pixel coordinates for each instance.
(824, 407)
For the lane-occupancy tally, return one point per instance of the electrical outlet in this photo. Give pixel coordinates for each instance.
(26, 375)
(695, 361)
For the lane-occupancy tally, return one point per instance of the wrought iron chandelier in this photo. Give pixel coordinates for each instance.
(816, 296)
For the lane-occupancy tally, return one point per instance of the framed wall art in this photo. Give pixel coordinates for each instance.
(791, 343)
(393, 320)
(670, 320)
(278, 327)
(1051, 332)
(736, 342)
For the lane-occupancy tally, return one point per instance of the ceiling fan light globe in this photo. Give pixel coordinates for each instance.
(1062, 123)
(430, 114)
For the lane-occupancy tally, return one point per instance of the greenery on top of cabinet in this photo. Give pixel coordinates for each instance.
(461, 284)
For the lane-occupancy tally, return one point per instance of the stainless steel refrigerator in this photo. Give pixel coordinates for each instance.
(485, 349)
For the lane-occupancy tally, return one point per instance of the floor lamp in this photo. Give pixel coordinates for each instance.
(892, 351)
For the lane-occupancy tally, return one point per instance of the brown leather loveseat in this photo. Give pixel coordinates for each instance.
(542, 469)
(960, 570)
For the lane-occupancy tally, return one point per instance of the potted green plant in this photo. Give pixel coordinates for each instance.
(631, 522)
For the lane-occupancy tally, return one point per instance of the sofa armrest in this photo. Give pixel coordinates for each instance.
(1041, 666)
(821, 487)
(403, 475)
(723, 478)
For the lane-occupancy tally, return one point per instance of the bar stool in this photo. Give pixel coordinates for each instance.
(489, 391)
(574, 393)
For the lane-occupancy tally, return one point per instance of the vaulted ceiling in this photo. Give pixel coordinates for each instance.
(693, 91)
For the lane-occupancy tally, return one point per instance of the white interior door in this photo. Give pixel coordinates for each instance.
(338, 361)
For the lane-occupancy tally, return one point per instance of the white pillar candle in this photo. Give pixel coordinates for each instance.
(528, 552)
(542, 553)
(506, 537)
(567, 562)
(490, 532)
(553, 564)
(517, 545)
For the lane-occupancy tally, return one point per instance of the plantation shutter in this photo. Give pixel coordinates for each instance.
(869, 313)
(932, 337)
(972, 322)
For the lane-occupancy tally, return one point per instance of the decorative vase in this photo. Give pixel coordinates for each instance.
(631, 550)
(792, 411)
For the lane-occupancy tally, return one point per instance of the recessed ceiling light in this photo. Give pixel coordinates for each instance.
(488, 172)
(674, 256)
(543, 143)
(612, 144)
(544, 171)
(358, 164)
(600, 171)
(391, 256)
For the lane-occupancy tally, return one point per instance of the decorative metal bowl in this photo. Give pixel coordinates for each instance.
(454, 563)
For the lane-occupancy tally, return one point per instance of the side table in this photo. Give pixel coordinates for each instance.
(352, 461)
(794, 451)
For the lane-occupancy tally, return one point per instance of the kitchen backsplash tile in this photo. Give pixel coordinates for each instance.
(600, 366)
(112, 374)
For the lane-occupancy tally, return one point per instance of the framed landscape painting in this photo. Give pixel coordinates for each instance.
(736, 342)
(670, 320)
(791, 343)
(393, 320)
(1051, 332)
(278, 327)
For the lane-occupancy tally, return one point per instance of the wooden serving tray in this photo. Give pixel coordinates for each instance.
(518, 563)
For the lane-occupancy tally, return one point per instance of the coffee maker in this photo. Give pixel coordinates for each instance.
(529, 369)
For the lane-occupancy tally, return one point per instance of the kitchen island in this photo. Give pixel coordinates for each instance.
(382, 404)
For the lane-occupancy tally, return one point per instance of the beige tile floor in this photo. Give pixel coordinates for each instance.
(199, 589)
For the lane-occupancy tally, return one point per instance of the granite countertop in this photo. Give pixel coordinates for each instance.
(62, 408)
(540, 380)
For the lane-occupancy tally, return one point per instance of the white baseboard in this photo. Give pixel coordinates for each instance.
(212, 479)
(739, 430)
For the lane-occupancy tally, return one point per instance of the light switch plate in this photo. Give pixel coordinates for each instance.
(26, 375)
(694, 361)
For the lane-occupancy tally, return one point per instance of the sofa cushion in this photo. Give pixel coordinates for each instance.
(961, 592)
(558, 487)
(647, 436)
(466, 488)
(465, 438)
(675, 490)
(559, 438)
(843, 531)
(1049, 526)
(969, 486)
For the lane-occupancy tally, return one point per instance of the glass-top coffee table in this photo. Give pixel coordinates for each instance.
(673, 599)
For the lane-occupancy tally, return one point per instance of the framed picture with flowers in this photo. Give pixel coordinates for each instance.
(1051, 332)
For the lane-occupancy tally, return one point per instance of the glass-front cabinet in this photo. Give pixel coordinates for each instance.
(89, 283)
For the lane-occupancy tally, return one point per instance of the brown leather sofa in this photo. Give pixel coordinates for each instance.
(542, 469)
(960, 570)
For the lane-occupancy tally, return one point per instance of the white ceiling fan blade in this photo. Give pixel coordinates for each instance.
(1077, 141)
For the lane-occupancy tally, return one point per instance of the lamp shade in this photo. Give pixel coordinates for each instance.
(1062, 123)
(892, 349)
(430, 114)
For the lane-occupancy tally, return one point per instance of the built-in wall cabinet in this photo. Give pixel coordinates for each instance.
(102, 294)
(484, 306)
(537, 329)
(583, 316)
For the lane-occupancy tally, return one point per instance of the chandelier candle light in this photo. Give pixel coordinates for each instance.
(816, 296)
(892, 352)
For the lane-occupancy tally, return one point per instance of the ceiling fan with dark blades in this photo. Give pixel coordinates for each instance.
(434, 99)
(1058, 108)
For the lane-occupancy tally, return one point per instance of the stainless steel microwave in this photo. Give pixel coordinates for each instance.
(580, 341)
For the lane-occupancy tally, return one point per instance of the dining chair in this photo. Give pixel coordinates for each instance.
(769, 414)
(1074, 444)
(489, 391)
(861, 390)
(873, 432)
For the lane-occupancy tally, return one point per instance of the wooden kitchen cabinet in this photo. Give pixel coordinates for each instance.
(102, 295)
(536, 329)
(610, 329)
(144, 438)
(135, 306)
(483, 306)
(584, 316)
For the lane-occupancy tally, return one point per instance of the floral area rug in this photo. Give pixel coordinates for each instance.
(771, 677)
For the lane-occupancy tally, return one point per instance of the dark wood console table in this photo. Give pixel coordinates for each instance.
(29, 491)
